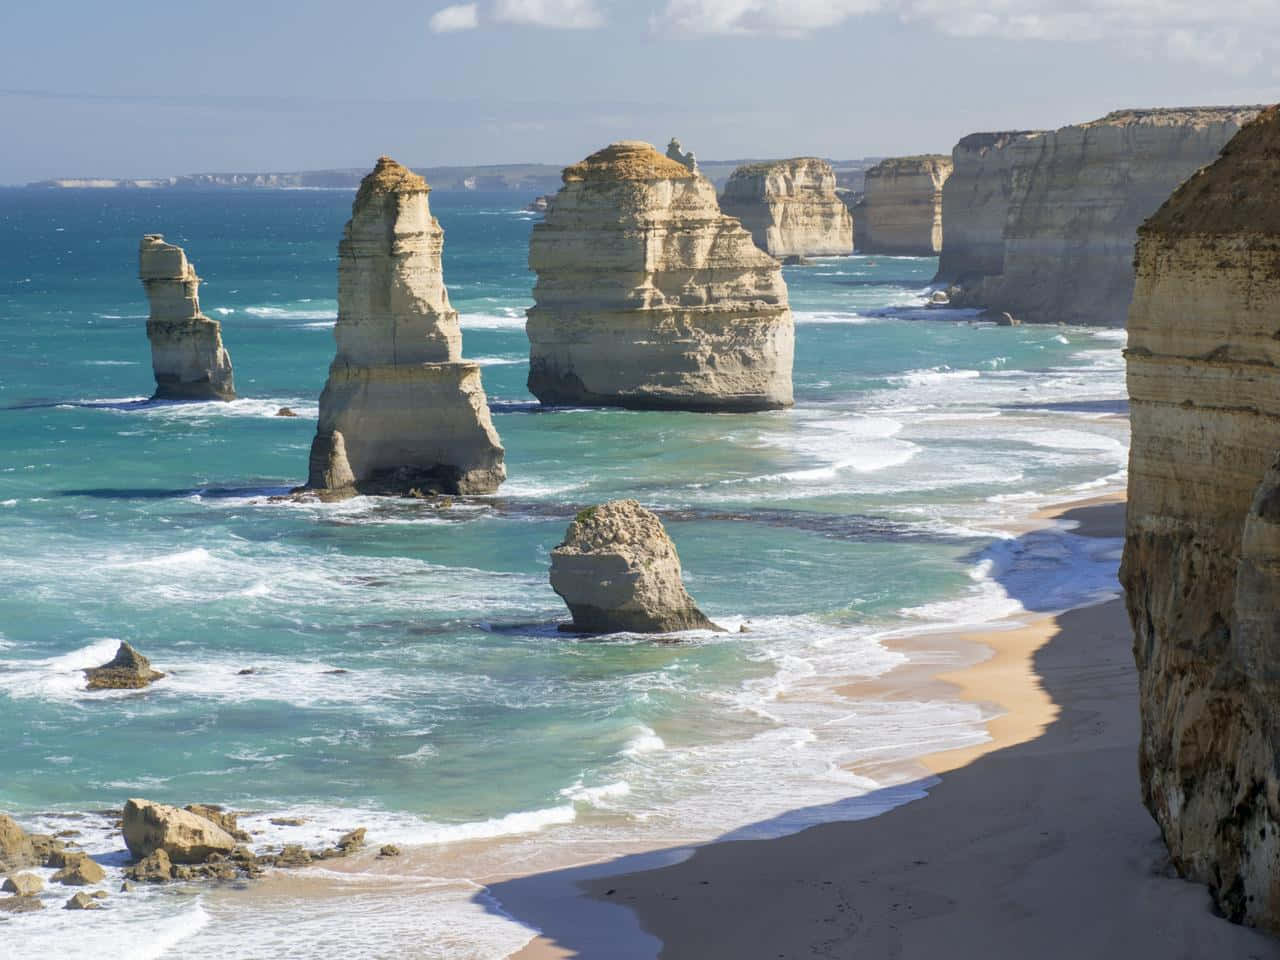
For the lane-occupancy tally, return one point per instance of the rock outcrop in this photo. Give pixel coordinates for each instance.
(79, 870)
(790, 207)
(617, 570)
(676, 152)
(127, 670)
(401, 409)
(16, 849)
(23, 884)
(1075, 199)
(1201, 566)
(901, 209)
(649, 297)
(182, 835)
(187, 355)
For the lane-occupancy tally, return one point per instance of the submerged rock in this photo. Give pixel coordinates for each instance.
(82, 901)
(649, 297)
(791, 208)
(187, 355)
(1201, 566)
(127, 670)
(401, 408)
(901, 209)
(16, 849)
(617, 570)
(184, 836)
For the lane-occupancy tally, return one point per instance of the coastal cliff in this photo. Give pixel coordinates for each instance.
(187, 355)
(647, 296)
(901, 209)
(1076, 196)
(790, 207)
(1201, 566)
(401, 409)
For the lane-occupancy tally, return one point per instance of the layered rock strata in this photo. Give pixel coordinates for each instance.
(401, 410)
(1076, 197)
(617, 570)
(647, 296)
(187, 355)
(1201, 566)
(790, 207)
(901, 209)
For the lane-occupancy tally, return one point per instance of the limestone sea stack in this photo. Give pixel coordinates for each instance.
(187, 355)
(902, 206)
(790, 207)
(1076, 197)
(647, 296)
(617, 570)
(401, 409)
(1201, 566)
(127, 670)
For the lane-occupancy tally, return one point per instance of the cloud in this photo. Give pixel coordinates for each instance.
(789, 17)
(460, 16)
(563, 14)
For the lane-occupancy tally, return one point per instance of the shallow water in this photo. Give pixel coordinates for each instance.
(876, 506)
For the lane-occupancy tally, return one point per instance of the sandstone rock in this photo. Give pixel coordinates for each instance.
(790, 207)
(288, 821)
(1201, 566)
(23, 884)
(20, 904)
(127, 670)
(617, 570)
(46, 848)
(675, 151)
(216, 815)
(187, 355)
(389, 850)
(82, 901)
(293, 855)
(539, 204)
(1008, 320)
(185, 837)
(153, 868)
(352, 841)
(286, 412)
(79, 870)
(401, 408)
(1073, 200)
(901, 209)
(649, 297)
(16, 849)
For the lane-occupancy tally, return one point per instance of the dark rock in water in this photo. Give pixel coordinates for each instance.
(389, 850)
(288, 821)
(1008, 320)
(796, 260)
(20, 904)
(292, 855)
(16, 849)
(126, 887)
(336, 673)
(285, 412)
(23, 884)
(352, 841)
(128, 670)
(247, 671)
(80, 871)
(82, 901)
(153, 868)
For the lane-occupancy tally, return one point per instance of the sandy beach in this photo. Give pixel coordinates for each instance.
(1035, 844)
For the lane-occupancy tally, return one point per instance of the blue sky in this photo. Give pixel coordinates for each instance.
(134, 89)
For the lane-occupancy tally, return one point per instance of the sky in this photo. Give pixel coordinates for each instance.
(127, 89)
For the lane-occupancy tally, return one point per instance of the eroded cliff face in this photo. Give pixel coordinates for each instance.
(187, 355)
(1075, 199)
(649, 297)
(401, 409)
(1201, 567)
(790, 207)
(902, 206)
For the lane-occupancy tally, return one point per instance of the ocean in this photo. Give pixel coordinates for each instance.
(407, 672)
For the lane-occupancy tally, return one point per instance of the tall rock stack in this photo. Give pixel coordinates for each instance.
(902, 206)
(1076, 198)
(401, 409)
(1201, 565)
(649, 297)
(790, 207)
(187, 355)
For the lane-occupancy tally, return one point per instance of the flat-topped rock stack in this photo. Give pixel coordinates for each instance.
(649, 297)
(1075, 199)
(790, 207)
(401, 410)
(901, 209)
(1201, 566)
(187, 355)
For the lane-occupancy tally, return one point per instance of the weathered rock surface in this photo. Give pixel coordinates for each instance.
(20, 904)
(1075, 199)
(23, 884)
(127, 670)
(401, 408)
(1201, 566)
(790, 207)
(82, 901)
(649, 297)
(215, 814)
(184, 836)
(79, 870)
(187, 355)
(901, 209)
(16, 850)
(156, 867)
(617, 570)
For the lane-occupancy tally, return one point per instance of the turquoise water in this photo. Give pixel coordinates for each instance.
(878, 506)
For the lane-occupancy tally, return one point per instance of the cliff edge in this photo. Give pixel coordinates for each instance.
(901, 209)
(790, 207)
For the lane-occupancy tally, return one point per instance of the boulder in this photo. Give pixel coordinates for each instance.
(20, 904)
(82, 901)
(184, 836)
(389, 850)
(79, 870)
(617, 570)
(153, 868)
(127, 670)
(23, 884)
(216, 815)
(16, 849)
